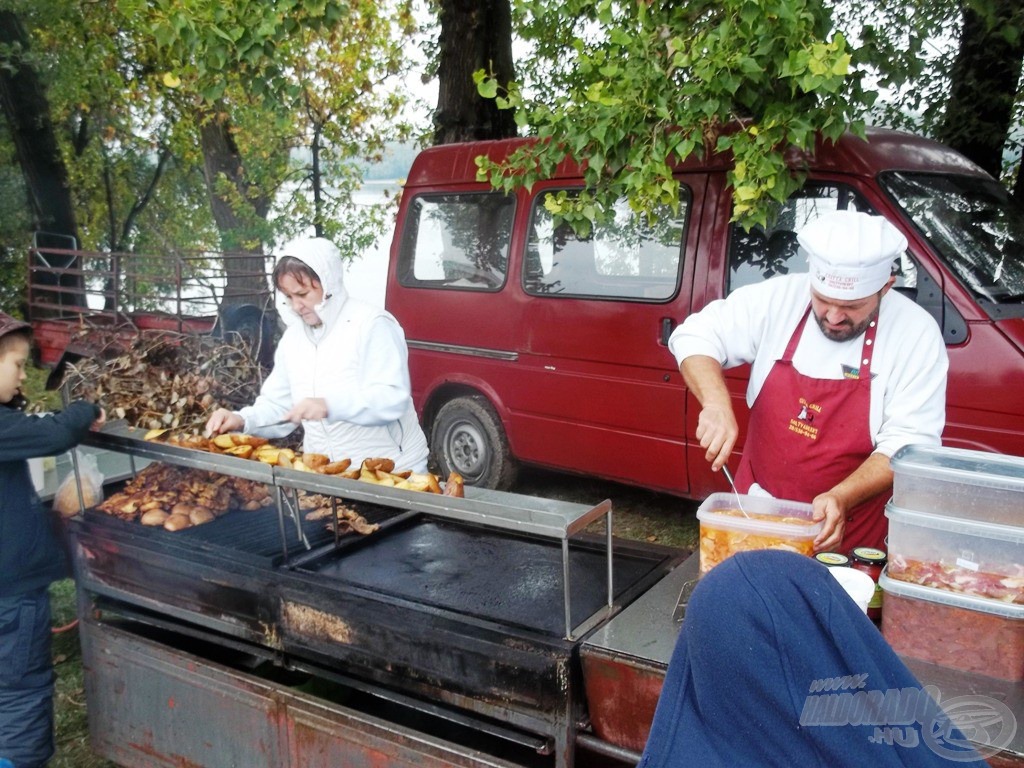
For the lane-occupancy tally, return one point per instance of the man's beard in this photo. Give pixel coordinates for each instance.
(847, 331)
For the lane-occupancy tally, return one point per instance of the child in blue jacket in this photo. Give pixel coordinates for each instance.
(31, 555)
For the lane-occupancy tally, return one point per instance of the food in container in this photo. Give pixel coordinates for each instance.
(870, 561)
(763, 523)
(958, 631)
(960, 556)
(955, 482)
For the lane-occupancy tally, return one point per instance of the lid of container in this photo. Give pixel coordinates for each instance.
(869, 555)
(1009, 533)
(832, 559)
(722, 510)
(953, 599)
(961, 465)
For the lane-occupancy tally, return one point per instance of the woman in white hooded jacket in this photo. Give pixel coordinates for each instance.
(341, 369)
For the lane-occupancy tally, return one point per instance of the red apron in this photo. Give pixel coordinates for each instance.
(806, 435)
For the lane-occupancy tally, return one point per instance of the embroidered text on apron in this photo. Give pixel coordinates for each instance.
(806, 435)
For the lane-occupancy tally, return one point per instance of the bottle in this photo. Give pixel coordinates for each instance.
(871, 561)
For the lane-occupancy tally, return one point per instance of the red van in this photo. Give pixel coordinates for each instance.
(529, 345)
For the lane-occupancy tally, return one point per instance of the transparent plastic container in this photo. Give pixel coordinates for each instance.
(953, 630)
(980, 559)
(772, 524)
(954, 482)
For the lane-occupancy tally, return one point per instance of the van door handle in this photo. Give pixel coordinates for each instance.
(667, 326)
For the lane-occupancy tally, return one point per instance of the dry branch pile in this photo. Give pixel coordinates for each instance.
(166, 379)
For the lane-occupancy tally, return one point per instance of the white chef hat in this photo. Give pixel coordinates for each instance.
(850, 253)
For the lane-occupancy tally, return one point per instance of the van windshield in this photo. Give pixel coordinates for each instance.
(974, 226)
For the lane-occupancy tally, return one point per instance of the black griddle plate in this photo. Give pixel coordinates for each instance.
(475, 571)
(252, 534)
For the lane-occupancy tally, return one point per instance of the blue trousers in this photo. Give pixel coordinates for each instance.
(26, 680)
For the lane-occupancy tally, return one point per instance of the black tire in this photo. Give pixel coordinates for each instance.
(468, 437)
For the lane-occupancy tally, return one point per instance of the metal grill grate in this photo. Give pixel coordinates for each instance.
(256, 534)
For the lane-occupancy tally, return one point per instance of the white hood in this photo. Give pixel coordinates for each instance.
(324, 258)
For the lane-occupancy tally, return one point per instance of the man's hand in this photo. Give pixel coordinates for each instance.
(716, 425)
(871, 478)
(222, 420)
(309, 409)
(829, 507)
(717, 432)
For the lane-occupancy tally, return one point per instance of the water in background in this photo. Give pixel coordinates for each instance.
(366, 275)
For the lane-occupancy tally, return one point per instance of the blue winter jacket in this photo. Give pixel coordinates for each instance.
(31, 555)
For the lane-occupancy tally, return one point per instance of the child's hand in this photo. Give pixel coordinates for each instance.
(100, 421)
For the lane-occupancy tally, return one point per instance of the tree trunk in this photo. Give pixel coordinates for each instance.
(235, 211)
(27, 111)
(983, 87)
(475, 34)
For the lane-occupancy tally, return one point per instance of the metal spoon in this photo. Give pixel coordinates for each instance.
(728, 476)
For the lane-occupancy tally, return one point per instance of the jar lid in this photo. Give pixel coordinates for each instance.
(832, 559)
(869, 555)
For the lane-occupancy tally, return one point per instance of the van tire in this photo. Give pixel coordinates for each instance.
(468, 437)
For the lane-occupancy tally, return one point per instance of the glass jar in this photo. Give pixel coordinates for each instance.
(833, 559)
(871, 561)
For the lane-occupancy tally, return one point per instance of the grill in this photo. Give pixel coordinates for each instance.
(252, 536)
(475, 606)
(454, 567)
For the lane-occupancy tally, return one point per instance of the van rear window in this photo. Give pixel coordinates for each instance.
(626, 258)
(457, 241)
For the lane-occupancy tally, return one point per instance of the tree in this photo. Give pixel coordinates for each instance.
(952, 71)
(27, 112)
(640, 86)
(648, 84)
(462, 114)
(985, 77)
(273, 83)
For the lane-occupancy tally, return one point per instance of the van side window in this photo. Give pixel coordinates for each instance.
(759, 253)
(457, 241)
(624, 259)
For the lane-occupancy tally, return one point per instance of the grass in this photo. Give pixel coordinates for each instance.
(71, 726)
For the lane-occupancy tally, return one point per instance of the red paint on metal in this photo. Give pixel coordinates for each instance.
(621, 698)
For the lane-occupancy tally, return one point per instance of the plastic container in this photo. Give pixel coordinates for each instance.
(979, 559)
(858, 585)
(772, 524)
(954, 482)
(952, 630)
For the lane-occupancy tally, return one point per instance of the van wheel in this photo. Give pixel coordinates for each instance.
(468, 438)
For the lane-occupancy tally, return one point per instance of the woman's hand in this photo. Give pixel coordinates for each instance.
(222, 420)
(308, 409)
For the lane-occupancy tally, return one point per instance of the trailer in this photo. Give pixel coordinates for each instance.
(80, 302)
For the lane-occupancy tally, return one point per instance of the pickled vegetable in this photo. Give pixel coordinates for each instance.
(717, 544)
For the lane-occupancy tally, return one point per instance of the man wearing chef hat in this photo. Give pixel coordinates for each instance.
(844, 372)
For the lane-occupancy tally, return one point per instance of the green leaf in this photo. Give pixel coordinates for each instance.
(488, 88)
